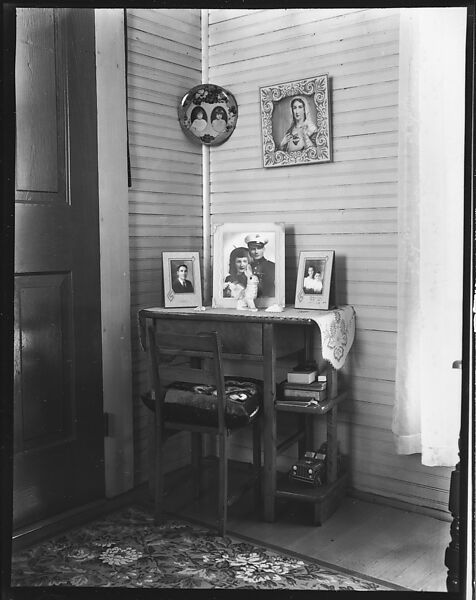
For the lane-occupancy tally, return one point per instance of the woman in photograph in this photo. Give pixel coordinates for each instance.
(219, 119)
(302, 131)
(235, 281)
(318, 282)
(309, 281)
(198, 119)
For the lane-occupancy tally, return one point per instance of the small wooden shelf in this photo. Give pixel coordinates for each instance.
(318, 409)
(324, 498)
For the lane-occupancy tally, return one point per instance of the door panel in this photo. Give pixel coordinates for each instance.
(46, 349)
(40, 103)
(46, 231)
(58, 433)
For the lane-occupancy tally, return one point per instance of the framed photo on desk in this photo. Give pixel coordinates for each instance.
(315, 280)
(242, 250)
(182, 282)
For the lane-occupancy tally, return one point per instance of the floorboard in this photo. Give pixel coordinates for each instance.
(387, 543)
(376, 540)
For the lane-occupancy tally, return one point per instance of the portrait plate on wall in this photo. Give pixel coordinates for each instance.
(182, 282)
(315, 280)
(242, 249)
(296, 122)
(208, 114)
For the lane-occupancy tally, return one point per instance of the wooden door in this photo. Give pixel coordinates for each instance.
(58, 432)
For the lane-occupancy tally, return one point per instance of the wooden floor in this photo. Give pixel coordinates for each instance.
(386, 543)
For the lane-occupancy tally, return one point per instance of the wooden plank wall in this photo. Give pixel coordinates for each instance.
(349, 205)
(165, 200)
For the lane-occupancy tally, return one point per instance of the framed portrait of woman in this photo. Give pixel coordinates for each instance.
(315, 280)
(248, 259)
(182, 282)
(296, 122)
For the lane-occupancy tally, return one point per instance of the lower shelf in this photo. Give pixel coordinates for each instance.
(325, 498)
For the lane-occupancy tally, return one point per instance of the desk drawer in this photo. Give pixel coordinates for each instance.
(237, 338)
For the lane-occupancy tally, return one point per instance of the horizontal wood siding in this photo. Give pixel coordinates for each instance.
(165, 200)
(349, 205)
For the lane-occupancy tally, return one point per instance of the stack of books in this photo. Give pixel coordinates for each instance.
(302, 394)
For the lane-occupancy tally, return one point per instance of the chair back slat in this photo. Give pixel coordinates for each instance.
(180, 352)
(187, 344)
(169, 374)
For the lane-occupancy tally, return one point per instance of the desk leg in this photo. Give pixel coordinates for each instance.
(332, 445)
(269, 431)
(332, 390)
(309, 439)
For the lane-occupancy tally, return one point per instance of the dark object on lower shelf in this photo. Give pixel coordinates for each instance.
(311, 468)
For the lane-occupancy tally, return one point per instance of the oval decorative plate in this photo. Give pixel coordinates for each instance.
(208, 114)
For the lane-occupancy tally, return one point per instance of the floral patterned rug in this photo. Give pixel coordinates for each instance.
(126, 549)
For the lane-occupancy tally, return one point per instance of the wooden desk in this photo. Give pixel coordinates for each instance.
(262, 347)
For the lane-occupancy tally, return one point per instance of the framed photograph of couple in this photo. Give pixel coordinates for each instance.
(248, 260)
(296, 122)
(182, 282)
(315, 280)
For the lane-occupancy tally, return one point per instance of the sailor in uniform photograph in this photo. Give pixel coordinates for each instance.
(263, 268)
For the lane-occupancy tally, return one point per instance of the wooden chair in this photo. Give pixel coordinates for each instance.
(200, 400)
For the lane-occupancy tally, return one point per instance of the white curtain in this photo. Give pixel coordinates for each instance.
(427, 411)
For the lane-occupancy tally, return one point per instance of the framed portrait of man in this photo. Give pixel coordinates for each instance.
(245, 255)
(315, 280)
(296, 122)
(182, 283)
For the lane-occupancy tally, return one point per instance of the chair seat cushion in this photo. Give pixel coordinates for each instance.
(193, 403)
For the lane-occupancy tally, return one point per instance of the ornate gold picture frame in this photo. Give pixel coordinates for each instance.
(296, 122)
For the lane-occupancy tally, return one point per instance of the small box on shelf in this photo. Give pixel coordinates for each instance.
(302, 377)
(303, 373)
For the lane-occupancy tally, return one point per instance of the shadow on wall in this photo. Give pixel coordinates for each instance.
(291, 269)
(340, 279)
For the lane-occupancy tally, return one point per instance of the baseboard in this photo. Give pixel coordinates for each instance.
(377, 499)
(31, 534)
